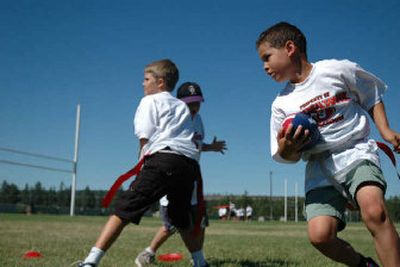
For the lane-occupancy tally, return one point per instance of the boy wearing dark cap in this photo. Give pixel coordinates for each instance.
(191, 94)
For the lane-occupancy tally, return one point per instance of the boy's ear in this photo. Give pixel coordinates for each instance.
(291, 48)
(160, 83)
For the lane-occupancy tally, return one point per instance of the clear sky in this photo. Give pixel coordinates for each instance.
(56, 54)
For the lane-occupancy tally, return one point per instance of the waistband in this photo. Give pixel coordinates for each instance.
(168, 151)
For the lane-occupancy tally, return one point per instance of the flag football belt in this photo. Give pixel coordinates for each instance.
(135, 171)
(390, 154)
(120, 180)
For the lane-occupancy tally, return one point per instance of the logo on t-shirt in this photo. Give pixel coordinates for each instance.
(322, 107)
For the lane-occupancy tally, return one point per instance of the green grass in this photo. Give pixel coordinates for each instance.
(63, 240)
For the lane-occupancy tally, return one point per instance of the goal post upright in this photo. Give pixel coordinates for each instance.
(75, 160)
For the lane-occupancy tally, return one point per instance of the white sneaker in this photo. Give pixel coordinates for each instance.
(86, 264)
(145, 258)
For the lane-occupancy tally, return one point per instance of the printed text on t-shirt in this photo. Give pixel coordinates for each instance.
(322, 107)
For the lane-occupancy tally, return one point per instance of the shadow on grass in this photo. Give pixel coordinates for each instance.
(247, 263)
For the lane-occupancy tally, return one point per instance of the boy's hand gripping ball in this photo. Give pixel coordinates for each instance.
(307, 123)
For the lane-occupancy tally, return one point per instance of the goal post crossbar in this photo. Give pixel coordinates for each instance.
(35, 166)
(15, 151)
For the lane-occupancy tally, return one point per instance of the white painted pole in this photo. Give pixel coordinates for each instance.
(75, 161)
(285, 216)
(296, 215)
(270, 197)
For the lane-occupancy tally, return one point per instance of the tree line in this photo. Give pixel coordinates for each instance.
(51, 200)
(38, 199)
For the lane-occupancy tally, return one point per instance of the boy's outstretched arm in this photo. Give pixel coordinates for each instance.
(217, 146)
(290, 145)
(378, 114)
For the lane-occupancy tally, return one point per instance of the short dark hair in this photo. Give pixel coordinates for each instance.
(278, 34)
(164, 69)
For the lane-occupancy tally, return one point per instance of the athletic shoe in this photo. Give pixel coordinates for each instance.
(86, 264)
(145, 258)
(367, 262)
(192, 263)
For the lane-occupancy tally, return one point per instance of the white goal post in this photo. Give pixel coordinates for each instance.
(74, 161)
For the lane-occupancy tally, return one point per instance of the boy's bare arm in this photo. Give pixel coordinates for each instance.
(378, 114)
(289, 146)
(217, 146)
(142, 142)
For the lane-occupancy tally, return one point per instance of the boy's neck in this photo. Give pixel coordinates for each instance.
(158, 91)
(302, 71)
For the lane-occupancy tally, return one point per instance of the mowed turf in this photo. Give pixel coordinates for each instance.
(62, 240)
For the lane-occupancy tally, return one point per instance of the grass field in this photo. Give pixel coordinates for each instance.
(62, 240)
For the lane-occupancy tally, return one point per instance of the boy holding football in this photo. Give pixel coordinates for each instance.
(344, 166)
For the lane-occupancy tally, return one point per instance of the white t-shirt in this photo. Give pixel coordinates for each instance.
(337, 94)
(165, 121)
(222, 212)
(249, 211)
(240, 212)
(198, 139)
(198, 131)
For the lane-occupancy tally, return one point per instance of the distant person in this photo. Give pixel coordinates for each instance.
(249, 212)
(191, 94)
(240, 214)
(232, 210)
(170, 160)
(223, 213)
(344, 166)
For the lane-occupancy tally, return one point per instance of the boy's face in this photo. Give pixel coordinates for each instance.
(277, 61)
(151, 85)
(194, 107)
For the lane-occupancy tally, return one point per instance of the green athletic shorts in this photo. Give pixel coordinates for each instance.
(327, 201)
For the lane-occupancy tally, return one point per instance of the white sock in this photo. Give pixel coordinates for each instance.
(94, 256)
(198, 258)
(148, 249)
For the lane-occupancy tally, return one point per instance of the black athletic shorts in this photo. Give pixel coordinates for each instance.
(162, 174)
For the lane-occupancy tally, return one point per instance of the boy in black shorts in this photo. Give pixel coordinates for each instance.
(164, 127)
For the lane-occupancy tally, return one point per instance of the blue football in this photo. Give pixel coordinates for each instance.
(310, 124)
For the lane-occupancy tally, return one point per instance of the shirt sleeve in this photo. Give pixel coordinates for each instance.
(202, 131)
(145, 121)
(367, 88)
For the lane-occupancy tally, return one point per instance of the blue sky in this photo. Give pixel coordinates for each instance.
(56, 54)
